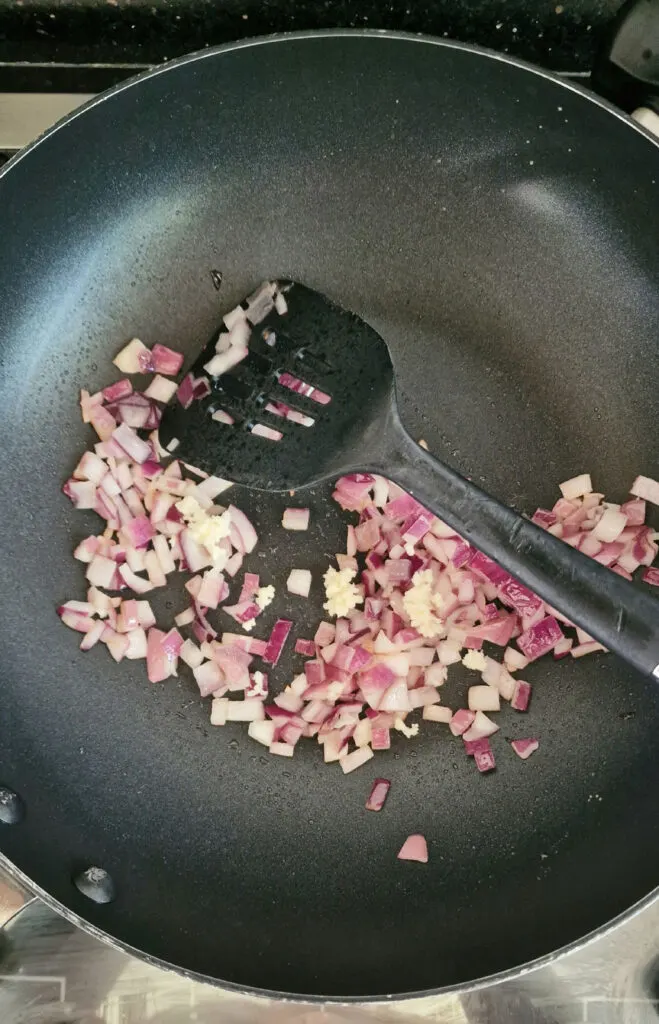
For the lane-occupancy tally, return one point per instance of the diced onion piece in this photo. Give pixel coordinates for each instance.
(161, 389)
(269, 433)
(610, 526)
(219, 709)
(166, 360)
(209, 676)
(250, 710)
(522, 696)
(378, 795)
(461, 721)
(524, 748)
(484, 759)
(282, 749)
(423, 696)
(576, 487)
(437, 713)
(590, 647)
(481, 727)
(448, 652)
(191, 654)
(134, 358)
(92, 636)
(77, 620)
(540, 638)
(299, 582)
(137, 644)
(514, 660)
(100, 572)
(295, 519)
(415, 848)
(483, 698)
(221, 362)
(647, 488)
(262, 731)
(355, 760)
(157, 663)
(280, 631)
(245, 533)
(136, 449)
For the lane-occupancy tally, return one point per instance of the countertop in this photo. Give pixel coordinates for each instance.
(560, 35)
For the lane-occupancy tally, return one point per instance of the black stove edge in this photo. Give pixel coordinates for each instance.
(560, 36)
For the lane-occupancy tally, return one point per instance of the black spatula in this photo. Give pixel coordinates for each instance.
(314, 398)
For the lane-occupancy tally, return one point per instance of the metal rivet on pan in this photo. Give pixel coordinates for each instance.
(95, 884)
(12, 808)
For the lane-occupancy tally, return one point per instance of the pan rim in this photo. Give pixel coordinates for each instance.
(292, 37)
(119, 945)
(385, 999)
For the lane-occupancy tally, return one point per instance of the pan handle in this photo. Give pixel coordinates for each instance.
(609, 608)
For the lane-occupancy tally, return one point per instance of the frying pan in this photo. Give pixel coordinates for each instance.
(500, 229)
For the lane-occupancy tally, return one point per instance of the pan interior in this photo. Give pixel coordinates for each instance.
(502, 233)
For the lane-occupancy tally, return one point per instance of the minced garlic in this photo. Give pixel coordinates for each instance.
(475, 660)
(342, 594)
(265, 596)
(421, 605)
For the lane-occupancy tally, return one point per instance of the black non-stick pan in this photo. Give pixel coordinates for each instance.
(500, 229)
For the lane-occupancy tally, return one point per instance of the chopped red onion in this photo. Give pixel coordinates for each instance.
(280, 631)
(136, 449)
(158, 665)
(137, 644)
(287, 380)
(295, 519)
(484, 760)
(100, 572)
(221, 362)
(481, 727)
(282, 749)
(262, 731)
(358, 757)
(165, 360)
(134, 358)
(305, 647)
(161, 390)
(209, 677)
(415, 847)
(461, 721)
(378, 795)
(245, 534)
(269, 433)
(435, 713)
(299, 582)
(524, 748)
(249, 710)
(522, 696)
(646, 488)
(368, 670)
(540, 638)
(590, 647)
(483, 698)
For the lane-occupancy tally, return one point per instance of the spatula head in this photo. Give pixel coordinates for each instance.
(305, 402)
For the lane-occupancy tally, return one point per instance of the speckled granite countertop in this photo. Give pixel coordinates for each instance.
(560, 34)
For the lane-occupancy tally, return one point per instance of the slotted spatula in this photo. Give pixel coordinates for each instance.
(313, 397)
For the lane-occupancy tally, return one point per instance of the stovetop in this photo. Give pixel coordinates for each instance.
(562, 34)
(53, 55)
(53, 973)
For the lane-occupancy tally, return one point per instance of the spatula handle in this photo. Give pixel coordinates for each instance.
(607, 606)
